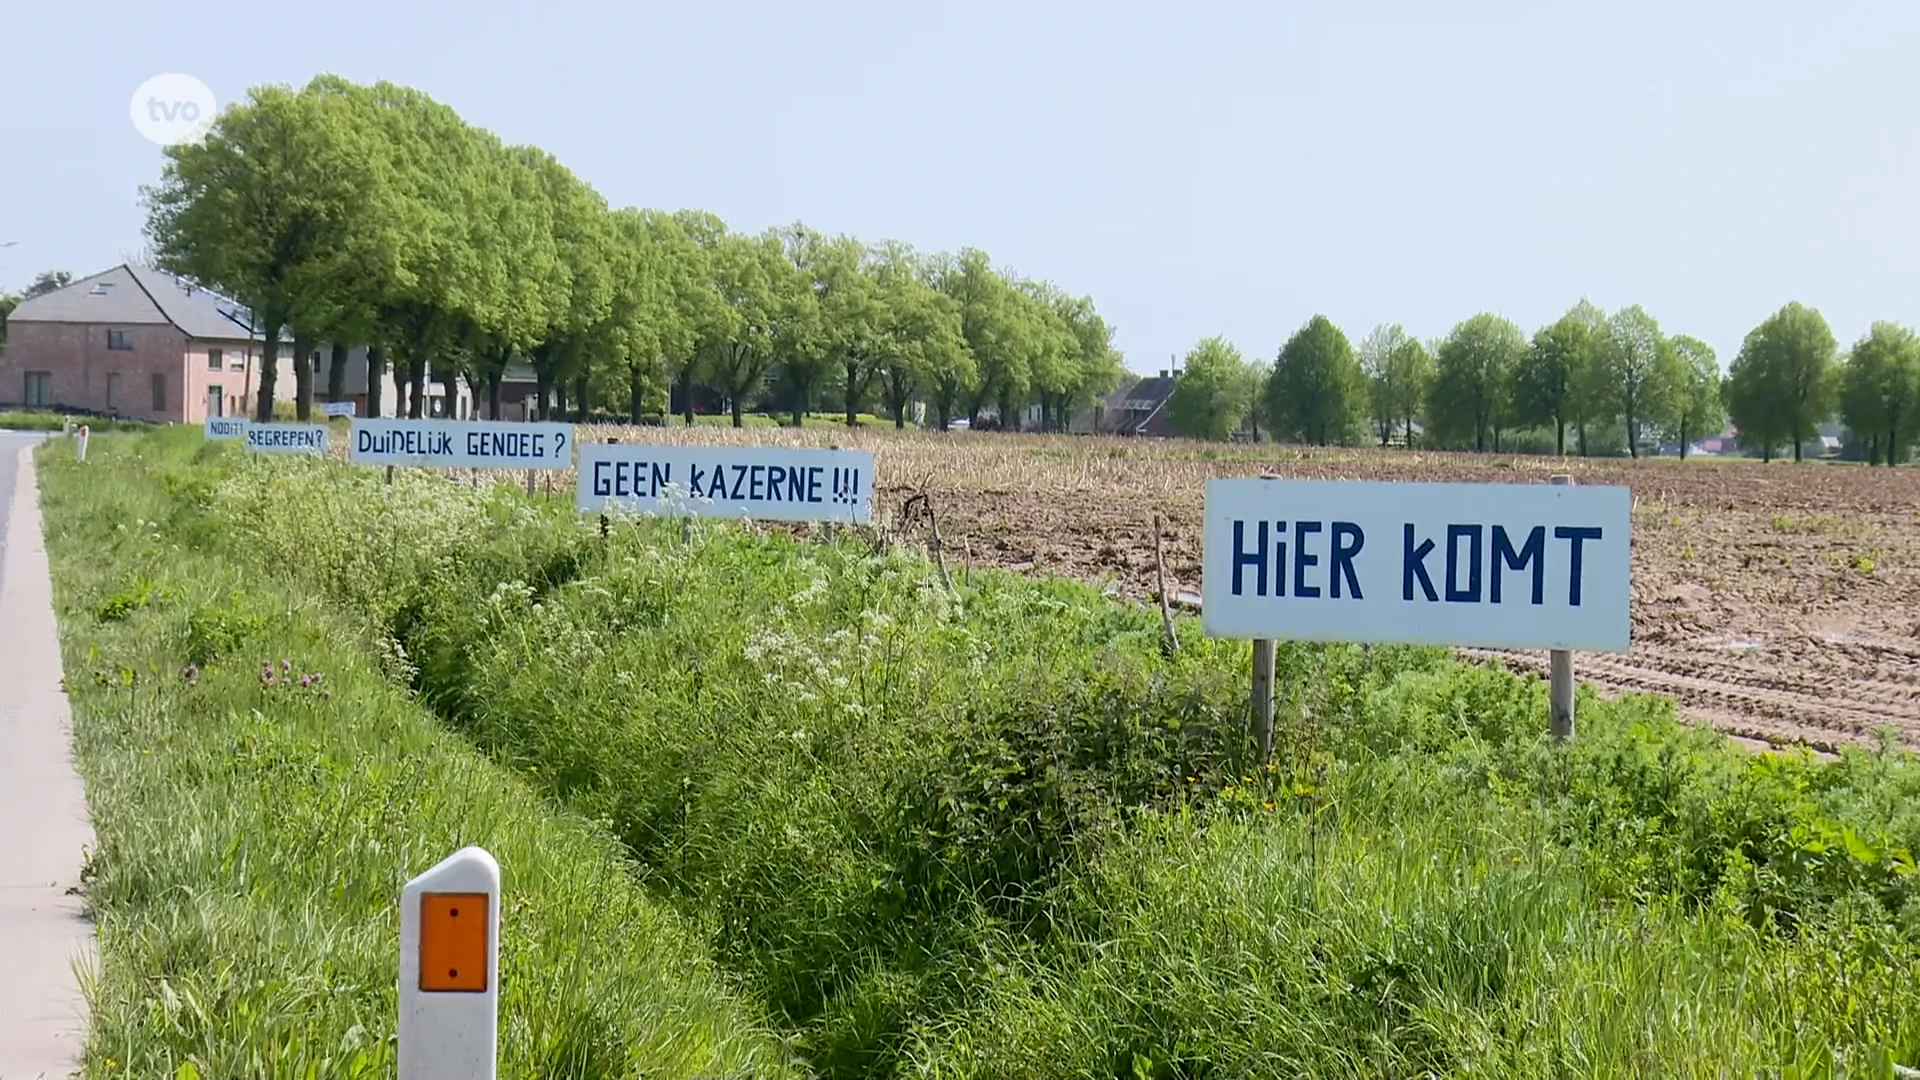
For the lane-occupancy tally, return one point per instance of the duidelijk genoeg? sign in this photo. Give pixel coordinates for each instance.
(1521, 566)
(226, 427)
(286, 438)
(738, 482)
(461, 444)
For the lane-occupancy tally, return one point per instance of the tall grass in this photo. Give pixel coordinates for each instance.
(995, 833)
(260, 793)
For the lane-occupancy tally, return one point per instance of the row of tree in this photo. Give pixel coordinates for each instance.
(1586, 372)
(373, 215)
(45, 282)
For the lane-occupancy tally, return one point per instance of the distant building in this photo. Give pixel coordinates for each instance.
(1138, 406)
(141, 343)
(134, 342)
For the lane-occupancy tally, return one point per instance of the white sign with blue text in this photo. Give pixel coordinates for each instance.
(461, 444)
(226, 427)
(1516, 566)
(766, 483)
(286, 438)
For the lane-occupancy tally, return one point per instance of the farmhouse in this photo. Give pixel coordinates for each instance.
(1138, 406)
(133, 341)
(137, 342)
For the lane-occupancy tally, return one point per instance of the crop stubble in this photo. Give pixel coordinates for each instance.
(1775, 602)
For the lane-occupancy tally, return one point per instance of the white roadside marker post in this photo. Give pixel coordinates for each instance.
(1560, 674)
(450, 970)
(81, 446)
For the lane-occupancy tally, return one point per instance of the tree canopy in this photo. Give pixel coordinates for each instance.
(1210, 394)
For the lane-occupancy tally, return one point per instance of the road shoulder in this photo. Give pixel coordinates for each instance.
(44, 827)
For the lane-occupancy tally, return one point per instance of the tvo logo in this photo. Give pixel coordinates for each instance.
(172, 108)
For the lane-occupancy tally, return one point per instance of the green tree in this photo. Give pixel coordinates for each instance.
(1880, 390)
(273, 207)
(1546, 380)
(1699, 409)
(920, 342)
(1210, 397)
(47, 281)
(1642, 374)
(1317, 393)
(1780, 386)
(1398, 369)
(1253, 388)
(8, 301)
(1473, 372)
(755, 281)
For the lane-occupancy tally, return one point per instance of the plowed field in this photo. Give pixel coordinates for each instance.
(1778, 602)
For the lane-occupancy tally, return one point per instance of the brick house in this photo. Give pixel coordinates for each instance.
(136, 342)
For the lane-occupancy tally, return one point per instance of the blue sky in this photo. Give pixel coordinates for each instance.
(1197, 168)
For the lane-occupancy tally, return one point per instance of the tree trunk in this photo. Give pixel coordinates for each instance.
(1798, 447)
(801, 392)
(337, 373)
(1683, 440)
(417, 393)
(493, 394)
(400, 385)
(1560, 437)
(543, 388)
(900, 416)
(269, 366)
(581, 398)
(633, 393)
(376, 371)
(733, 405)
(1893, 443)
(1583, 440)
(559, 399)
(686, 393)
(1633, 436)
(853, 403)
(302, 379)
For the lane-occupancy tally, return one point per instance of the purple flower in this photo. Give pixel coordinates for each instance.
(306, 681)
(191, 673)
(286, 667)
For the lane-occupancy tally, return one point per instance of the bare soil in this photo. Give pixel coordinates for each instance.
(1777, 602)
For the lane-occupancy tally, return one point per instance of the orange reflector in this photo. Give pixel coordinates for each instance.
(453, 942)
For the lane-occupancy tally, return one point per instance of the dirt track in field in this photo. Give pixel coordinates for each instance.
(1775, 602)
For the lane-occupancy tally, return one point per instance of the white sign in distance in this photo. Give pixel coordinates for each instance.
(339, 408)
(226, 427)
(286, 438)
(764, 483)
(461, 444)
(1515, 566)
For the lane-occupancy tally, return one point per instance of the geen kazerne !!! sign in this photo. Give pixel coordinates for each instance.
(286, 438)
(226, 427)
(461, 444)
(1521, 566)
(766, 483)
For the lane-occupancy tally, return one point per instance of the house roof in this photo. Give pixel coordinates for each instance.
(130, 295)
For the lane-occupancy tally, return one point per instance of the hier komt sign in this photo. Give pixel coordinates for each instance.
(1490, 565)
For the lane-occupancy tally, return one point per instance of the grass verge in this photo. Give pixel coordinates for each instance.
(995, 833)
(261, 792)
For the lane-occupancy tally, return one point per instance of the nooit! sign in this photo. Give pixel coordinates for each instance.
(767, 483)
(1519, 566)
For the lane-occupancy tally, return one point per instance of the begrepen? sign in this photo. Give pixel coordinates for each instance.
(461, 444)
(226, 427)
(1519, 566)
(286, 438)
(766, 483)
